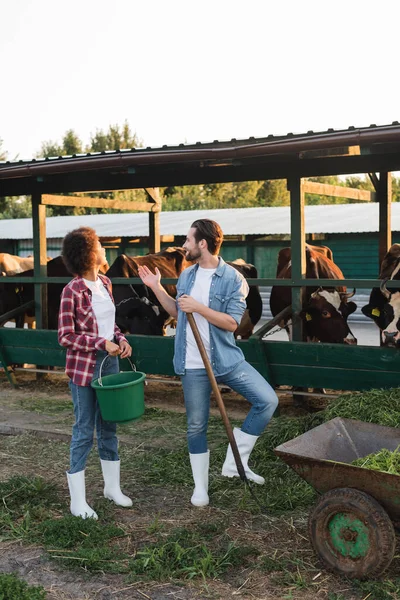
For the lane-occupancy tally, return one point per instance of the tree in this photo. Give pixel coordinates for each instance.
(71, 144)
(16, 208)
(273, 193)
(3, 153)
(115, 138)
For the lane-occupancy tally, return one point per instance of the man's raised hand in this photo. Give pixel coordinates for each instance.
(150, 279)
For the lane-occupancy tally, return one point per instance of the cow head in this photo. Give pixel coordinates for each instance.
(384, 304)
(384, 309)
(135, 314)
(325, 316)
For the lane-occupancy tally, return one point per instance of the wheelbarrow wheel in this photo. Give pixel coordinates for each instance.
(351, 533)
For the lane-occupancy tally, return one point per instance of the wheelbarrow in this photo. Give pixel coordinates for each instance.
(352, 525)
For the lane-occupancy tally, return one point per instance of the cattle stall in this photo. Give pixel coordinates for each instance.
(373, 150)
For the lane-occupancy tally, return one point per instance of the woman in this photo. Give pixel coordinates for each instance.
(86, 327)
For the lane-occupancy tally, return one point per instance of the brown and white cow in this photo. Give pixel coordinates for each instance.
(384, 303)
(325, 310)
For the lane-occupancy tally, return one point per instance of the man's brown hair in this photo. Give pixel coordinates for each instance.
(211, 232)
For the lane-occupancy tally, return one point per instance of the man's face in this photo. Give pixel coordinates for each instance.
(192, 248)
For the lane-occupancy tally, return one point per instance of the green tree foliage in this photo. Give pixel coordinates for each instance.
(70, 144)
(3, 153)
(115, 138)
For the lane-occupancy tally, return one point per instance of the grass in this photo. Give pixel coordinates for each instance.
(187, 554)
(162, 538)
(384, 460)
(24, 502)
(39, 404)
(12, 588)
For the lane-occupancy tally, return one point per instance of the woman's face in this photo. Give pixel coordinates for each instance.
(100, 254)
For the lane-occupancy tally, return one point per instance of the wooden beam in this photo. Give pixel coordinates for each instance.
(330, 152)
(325, 189)
(384, 193)
(40, 260)
(298, 251)
(154, 220)
(52, 200)
(154, 232)
(374, 180)
(154, 194)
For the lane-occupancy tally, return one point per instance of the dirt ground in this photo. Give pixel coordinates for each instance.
(36, 420)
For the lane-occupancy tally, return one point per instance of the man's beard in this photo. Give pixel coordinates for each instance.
(193, 255)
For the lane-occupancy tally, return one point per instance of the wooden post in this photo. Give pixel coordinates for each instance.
(40, 259)
(298, 252)
(384, 193)
(154, 220)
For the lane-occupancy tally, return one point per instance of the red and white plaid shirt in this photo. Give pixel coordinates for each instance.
(78, 330)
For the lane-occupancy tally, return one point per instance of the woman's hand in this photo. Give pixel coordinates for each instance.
(126, 349)
(189, 305)
(150, 279)
(112, 349)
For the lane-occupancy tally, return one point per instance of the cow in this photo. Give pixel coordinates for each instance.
(384, 304)
(12, 265)
(12, 296)
(254, 304)
(325, 310)
(137, 308)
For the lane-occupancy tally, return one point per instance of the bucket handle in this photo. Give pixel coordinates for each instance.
(102, 363)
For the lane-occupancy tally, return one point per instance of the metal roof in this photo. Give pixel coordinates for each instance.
(269, 157)
(333, 218)
(352, 134)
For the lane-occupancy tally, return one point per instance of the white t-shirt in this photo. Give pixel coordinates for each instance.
(201, 293)
(103, 308)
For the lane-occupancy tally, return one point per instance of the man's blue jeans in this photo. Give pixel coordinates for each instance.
(245, 380)
(87, 417)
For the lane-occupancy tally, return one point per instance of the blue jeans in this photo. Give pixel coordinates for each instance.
(87, 417)
(245, 380)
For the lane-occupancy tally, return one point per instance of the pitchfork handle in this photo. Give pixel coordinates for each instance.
(220, 402)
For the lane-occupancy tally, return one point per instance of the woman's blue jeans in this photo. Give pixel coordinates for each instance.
(245, 380)
(87, 417)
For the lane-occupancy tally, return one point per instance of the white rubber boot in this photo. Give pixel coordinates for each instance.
(200, 464)
(79, 506)
(112, 490)
(245, 443)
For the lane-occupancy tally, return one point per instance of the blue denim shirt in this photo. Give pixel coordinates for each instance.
(228, 294)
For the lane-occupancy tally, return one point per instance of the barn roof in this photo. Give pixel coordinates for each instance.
(352, 150)
(334, 218)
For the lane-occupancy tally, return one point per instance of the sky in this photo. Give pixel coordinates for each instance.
(187, 71)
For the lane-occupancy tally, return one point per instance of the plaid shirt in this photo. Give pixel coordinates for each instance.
(78, 330)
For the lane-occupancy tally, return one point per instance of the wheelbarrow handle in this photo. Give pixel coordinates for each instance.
(102, 363)
(216, 390)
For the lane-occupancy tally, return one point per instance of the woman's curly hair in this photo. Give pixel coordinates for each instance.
(79, 250)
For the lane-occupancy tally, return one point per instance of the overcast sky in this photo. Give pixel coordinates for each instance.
(186, 71)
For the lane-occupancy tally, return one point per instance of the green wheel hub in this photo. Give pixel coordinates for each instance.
(348, 535)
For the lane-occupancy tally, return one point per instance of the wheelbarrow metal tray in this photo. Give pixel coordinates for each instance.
(323, 457)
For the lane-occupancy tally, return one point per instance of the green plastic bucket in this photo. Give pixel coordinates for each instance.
(120, 396)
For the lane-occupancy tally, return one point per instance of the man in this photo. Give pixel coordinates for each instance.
(216, 295)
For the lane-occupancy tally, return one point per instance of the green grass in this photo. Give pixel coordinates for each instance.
(187, 554)
(24, 502)
(43, 405)
(13, 588)
(384, 460)
(385, 589)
